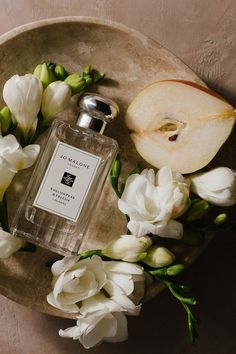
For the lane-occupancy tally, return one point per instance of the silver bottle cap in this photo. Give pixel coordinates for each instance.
(96, 111)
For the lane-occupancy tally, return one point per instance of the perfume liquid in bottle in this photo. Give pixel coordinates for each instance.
(68, 179)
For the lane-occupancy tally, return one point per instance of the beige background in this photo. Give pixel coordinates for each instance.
(203, 34)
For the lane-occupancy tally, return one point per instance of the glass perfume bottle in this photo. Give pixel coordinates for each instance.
(68, 179)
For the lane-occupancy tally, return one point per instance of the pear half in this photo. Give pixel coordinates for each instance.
(180, 124)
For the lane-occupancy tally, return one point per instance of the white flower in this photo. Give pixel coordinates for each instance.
(128, 248)
(9, 244)
(56, 98)
(13, 158)
(125, 285)
(75, 280)
(217, 186)
(23, 95)
(158, 257)
(102, 325)
(153, 201)
(100, 292)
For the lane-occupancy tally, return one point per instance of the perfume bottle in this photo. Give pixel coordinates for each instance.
(68, 179)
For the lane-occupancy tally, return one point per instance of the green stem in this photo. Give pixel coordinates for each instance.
(114, 184)
(41, 128)
(25, 139)
(177, 291)
(88, 254)
(171, 270)
(4, 214)
(185, 300)
(192, 323)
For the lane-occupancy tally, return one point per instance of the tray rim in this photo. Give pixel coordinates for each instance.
(5, 37)
(34, 25)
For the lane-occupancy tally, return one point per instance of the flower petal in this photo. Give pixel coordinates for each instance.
(31, 153)
(171, 229)
(99, 302)
(123, 267)
(71, 308)
(122, 329)
(8, 144)
(63, 265)
(141, 228)
(9, 244)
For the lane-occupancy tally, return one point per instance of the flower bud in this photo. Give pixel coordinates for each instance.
(217, 186)
(128, 248)
(44, 74)
(56, 98)
(116, 168)
(199, 210)
(60, 72)
(220, 219)
(5, 119)
(170, 271)
(158, 257)
(23, 95)
(175, 269)
(87, 70)
(76, 83)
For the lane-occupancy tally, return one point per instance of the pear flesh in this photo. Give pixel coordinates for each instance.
(179, 124)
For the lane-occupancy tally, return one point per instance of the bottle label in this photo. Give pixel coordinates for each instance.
(67, 181)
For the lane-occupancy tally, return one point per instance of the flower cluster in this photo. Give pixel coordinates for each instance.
(101, 287)
(100, 293)
(153, 202)
(32, 101)
(35, 99)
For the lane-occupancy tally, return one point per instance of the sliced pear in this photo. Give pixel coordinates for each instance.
(180, 124)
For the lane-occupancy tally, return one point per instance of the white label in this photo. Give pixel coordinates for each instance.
(67, 181)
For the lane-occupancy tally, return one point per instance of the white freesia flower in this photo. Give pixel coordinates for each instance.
(56, 98)
(125, 285)
(153, 201)
(75, 280)
(23, 95)
(158, 257)
(101, 292)
(217, 186)
(102, 325)
(128, 248)
(9, 244)
(13, 158)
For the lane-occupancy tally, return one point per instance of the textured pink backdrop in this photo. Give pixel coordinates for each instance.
(203, 34)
